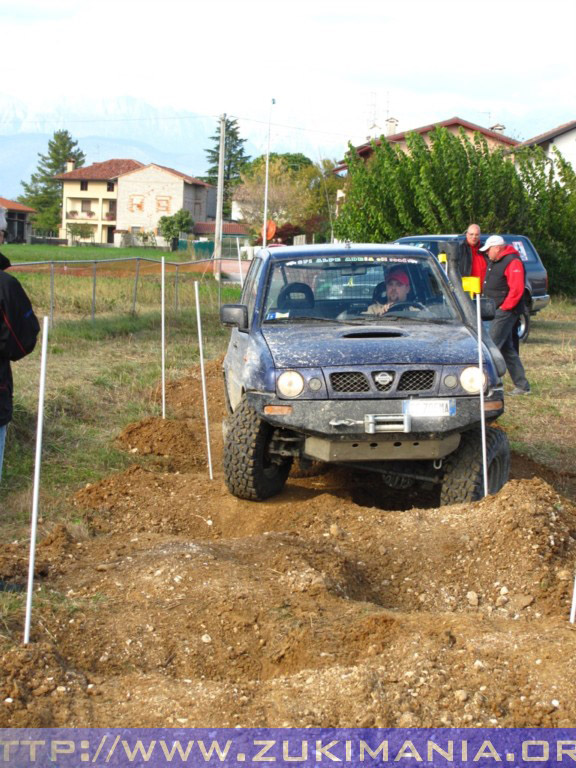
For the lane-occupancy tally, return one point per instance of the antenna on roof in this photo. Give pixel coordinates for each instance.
(374, 129)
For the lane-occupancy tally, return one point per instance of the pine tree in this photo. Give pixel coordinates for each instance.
(43, 192)
(235, 160)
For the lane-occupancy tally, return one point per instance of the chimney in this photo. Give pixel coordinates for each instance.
(391, 126)
(70, 165)
(498, 128)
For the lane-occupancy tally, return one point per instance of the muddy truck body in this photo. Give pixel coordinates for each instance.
(324, 367)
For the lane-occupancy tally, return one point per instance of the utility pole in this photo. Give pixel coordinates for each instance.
(220, 204)
(265, 222)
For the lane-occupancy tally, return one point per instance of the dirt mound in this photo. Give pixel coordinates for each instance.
(174, 603)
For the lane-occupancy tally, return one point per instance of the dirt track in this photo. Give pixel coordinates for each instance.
(177, 604)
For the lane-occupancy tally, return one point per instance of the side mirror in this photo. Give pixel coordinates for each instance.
(235, 315)
(487, 308)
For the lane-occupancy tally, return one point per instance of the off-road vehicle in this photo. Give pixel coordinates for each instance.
(320, 369)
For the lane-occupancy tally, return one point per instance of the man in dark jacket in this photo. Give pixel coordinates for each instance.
(471, 262)
(504, 282)
(12, 296)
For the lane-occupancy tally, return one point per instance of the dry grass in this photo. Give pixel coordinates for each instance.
(543, 425)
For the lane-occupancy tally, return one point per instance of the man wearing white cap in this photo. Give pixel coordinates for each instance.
(504, 282)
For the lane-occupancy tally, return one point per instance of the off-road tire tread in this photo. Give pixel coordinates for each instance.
(463, 477)
(243, 457)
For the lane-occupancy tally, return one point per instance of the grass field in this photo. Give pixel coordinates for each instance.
(34, 253)
(104, 374)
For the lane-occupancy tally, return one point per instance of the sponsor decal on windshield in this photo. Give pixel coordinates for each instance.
(352, 259)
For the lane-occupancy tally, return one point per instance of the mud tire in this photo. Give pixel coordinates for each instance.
(463, 477)
(250, 472)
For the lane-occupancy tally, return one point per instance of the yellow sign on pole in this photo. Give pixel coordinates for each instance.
(472, 285)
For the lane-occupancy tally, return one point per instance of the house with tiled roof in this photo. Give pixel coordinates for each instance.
(18, 224)
(494, 136)
(147, 193)
(89, 196)
(563, 138)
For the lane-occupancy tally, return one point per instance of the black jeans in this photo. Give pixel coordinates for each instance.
(501, 330)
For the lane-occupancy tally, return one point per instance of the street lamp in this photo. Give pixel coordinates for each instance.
(265, 222)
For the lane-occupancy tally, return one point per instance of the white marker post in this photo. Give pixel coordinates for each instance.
(163, 334)
(36, 492)
(482, 415)
(239, 262)
(573, 610)
(203, 376)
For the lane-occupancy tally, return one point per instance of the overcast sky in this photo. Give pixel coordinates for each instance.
(334, 68)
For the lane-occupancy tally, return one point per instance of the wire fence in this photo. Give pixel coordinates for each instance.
(99, 285)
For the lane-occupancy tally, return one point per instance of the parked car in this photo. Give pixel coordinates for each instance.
(313, 374)
(536, 294)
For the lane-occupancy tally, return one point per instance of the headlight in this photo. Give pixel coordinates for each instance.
(470, 379)
(290, 384)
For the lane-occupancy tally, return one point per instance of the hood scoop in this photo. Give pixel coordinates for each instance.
(375, 334)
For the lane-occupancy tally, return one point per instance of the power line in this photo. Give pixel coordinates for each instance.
(58, 120)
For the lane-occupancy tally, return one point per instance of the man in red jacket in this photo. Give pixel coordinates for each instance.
(504, 282)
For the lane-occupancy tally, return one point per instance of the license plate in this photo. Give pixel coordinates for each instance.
(429, 408)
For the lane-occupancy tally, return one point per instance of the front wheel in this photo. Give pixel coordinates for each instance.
(463, 476)
(251, 471)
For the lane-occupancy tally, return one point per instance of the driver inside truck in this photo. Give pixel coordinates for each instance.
(393, 290)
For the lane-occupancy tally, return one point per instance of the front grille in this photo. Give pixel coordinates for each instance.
(416, 381)
(349, 381)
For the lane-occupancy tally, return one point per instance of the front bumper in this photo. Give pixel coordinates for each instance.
(378, 420)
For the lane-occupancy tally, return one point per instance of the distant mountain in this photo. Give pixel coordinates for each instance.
(104, 129)
(122, 127)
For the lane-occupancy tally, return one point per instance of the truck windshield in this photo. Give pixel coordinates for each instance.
(353, 288)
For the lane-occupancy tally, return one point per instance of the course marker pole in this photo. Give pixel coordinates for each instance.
(239, 261)
(573, 610)
(51, 293)
(163, 335)
(482, 415)
(35, 495)
(203, 377)
(94, 269)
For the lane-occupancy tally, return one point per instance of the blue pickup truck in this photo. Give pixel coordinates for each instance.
(364, 356)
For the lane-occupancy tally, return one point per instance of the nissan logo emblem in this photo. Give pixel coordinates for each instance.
(383, 378)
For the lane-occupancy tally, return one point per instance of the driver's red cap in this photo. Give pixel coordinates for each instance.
(398, 274)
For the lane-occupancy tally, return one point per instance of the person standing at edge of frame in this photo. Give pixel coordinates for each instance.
(504, 282)
(19, 329)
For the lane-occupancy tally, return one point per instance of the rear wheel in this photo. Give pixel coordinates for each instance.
(523, 326)
(463, 476)
(251, 471)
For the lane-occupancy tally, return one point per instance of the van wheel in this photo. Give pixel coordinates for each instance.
(463, 477)
(250, 470)
(523, 327)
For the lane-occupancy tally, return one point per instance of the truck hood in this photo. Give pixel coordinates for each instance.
(310, 346)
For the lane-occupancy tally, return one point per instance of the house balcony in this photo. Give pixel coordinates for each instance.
(81, 215)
